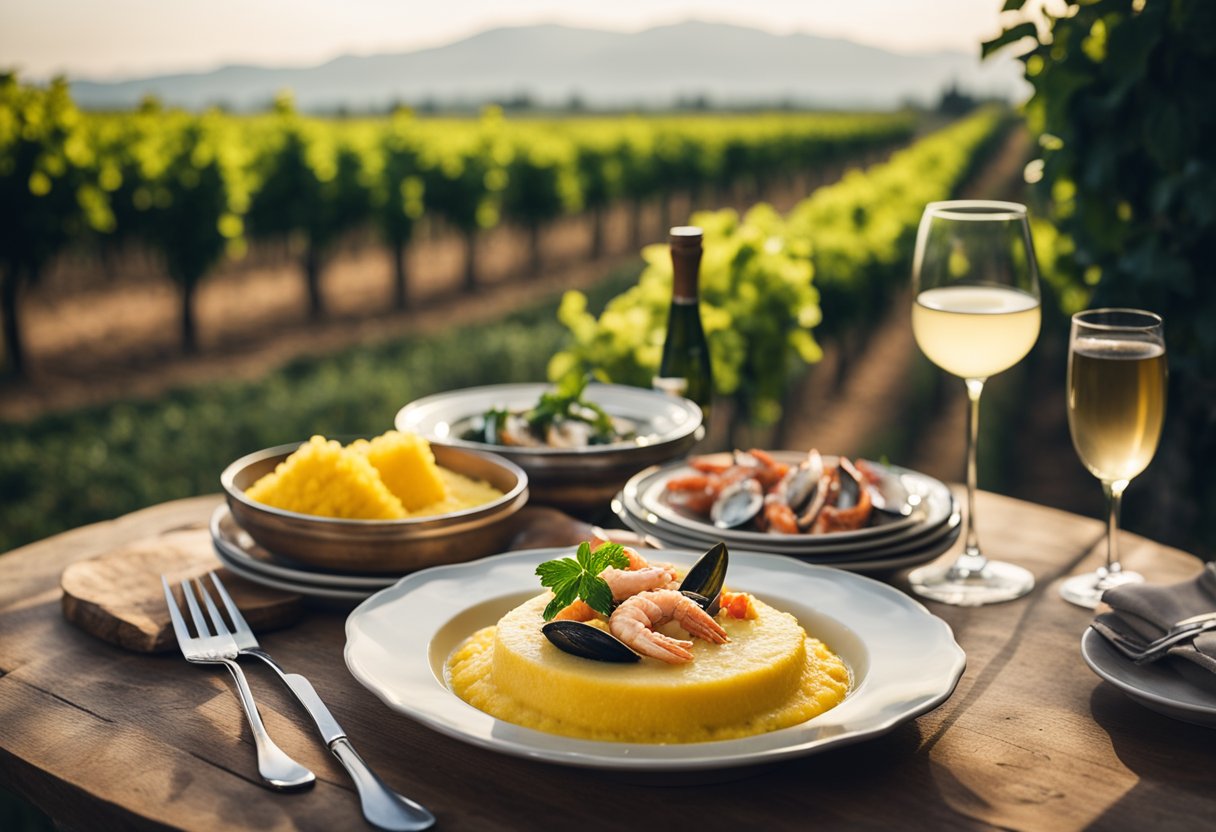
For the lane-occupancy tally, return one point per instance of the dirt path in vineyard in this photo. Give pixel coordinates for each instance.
(121, 340)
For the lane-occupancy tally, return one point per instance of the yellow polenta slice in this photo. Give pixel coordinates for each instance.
(323, 478)
(768, 676)
(406, 466)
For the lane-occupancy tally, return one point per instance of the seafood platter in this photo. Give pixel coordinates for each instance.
(578, 442)
(664, 661)
(858, 515)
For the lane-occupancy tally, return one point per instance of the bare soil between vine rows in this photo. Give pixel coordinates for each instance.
(92, 344)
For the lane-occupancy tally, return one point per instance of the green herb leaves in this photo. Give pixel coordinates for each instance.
(579, 577)
(566, 402)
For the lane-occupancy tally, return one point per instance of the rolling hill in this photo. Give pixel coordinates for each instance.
(551, 63)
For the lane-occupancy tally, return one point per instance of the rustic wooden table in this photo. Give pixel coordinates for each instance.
(101, 738)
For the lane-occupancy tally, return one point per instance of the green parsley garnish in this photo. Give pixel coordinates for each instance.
(579, 577)
(566, 402)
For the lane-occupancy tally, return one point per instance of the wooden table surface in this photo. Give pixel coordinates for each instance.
(102, 738)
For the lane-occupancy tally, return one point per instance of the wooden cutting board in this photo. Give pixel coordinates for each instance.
(118, 597)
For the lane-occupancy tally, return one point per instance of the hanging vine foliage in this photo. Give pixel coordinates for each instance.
(1122, 109)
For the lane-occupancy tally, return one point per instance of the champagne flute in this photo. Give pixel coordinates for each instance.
(975, 314)
(1116, 406)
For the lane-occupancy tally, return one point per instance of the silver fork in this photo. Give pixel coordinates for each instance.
(1143, 653)
(277, 769)
(381, 805)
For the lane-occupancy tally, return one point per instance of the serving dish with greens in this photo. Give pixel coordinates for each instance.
(560, 418)
(626, 429)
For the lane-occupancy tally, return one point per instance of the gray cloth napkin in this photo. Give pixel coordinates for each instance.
(1144, 612)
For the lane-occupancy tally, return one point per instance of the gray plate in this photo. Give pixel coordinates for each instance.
(877, 558)
(644, 498)
(1173, 687)
(345, 596)
(239, 550)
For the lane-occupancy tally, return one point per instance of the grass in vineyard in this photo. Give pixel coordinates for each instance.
(70, 469)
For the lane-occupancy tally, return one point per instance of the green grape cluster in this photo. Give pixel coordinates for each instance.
(759, 303)
(757, 308)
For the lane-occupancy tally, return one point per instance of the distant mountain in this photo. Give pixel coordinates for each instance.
(729, 65)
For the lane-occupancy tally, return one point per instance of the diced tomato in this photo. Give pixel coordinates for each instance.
(737, 605)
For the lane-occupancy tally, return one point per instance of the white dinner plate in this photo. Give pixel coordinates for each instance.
(1173, 687)
(645, 496)
(444, 417)
(901, 555)
(904, 660)
(238, 547)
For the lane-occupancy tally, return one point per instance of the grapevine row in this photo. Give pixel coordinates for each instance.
(194, 188)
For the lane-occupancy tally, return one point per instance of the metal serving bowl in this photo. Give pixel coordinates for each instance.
(579, 479)
(381, 546)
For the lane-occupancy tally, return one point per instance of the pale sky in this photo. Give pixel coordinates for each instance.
(110, 39)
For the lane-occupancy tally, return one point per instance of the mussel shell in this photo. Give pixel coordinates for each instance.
(850, 485)
(894, 501)
(587, 642)
(739, 503)
(707, 574)
(802, 482)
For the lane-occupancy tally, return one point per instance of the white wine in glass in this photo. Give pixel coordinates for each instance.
(1116, 407)
(976, 313)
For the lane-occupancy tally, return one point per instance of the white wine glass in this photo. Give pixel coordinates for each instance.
(1116, 406)
(975, 313)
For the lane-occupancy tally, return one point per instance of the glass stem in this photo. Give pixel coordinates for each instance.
(971, 548)
(1114, 501)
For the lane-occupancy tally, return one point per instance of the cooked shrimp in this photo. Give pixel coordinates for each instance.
(636, 561)
(690, 482)
(834, 519)
(639, 577)
(709, 466)
(634, 621)
(780, 518)
(628, 582)
(769, 471)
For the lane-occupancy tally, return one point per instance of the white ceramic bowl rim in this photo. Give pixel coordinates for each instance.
(630, 402)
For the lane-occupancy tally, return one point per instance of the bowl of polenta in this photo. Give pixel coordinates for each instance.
(388, 505)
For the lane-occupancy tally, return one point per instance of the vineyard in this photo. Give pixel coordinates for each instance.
(1126, 224)
(195, 189)
(832, 264)
(73, 468)
(179, 289)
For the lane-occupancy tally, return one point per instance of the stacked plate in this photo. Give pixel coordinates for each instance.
(921, 523)
(243, 556)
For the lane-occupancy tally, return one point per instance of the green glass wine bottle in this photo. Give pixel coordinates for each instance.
(685, 367)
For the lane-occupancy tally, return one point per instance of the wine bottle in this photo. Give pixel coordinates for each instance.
(685, 367)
